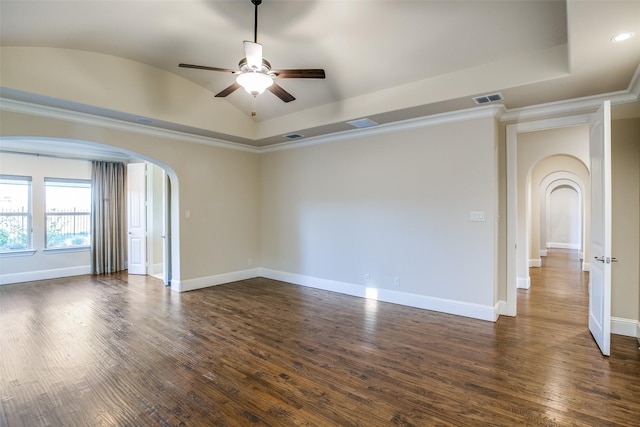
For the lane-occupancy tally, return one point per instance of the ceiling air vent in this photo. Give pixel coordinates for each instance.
(483, 99)
(362, 123)
(293, 136)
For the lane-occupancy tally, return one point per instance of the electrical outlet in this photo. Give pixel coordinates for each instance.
(396, 281)
(250, 261)
(367, 276)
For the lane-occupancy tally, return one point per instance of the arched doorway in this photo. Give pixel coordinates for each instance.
(81, 150)
(558, 203)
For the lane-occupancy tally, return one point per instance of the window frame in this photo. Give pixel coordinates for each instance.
(28, 181)
(80, 183)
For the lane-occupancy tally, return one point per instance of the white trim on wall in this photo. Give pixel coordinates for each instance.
(460, 308)
(30, 276)
(218, 279)
(562, 245)
(109, 123)
(523, 282)
(535, 263)
(626, 327)
(572, 105)
(483, 112)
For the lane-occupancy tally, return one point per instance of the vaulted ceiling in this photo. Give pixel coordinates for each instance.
(384, 60)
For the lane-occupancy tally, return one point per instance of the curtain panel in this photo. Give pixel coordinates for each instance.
(109, 217)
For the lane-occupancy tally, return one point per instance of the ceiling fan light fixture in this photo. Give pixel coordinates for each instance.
(254, 83)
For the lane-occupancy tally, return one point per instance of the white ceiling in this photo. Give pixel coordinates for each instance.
(416, 57)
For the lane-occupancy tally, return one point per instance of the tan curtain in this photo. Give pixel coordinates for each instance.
(109, 217)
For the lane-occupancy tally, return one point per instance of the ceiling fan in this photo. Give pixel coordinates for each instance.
(254, 73)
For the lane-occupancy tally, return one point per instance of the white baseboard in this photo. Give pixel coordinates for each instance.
(638, 331)
(460, 308)
(218, 279)
(543, 252)
(535, 263)
(523, 282)
(562, 245)
(586, 266)
(626, 327)
(30, 276)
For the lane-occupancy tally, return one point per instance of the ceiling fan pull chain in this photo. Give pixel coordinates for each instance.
(253, 106)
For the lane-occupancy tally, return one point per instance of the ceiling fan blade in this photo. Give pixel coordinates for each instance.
(204, 67)
(253, 53)
(278, 91)
(228, 91)
(317, 73)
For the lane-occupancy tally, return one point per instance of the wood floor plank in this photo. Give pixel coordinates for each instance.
(119, 350)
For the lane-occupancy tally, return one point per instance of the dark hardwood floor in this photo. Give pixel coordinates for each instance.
(122, 350)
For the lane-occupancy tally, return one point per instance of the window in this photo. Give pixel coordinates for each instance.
(67, 213)
(15, 213)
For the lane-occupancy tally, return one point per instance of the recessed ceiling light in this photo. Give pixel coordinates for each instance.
(621, 37)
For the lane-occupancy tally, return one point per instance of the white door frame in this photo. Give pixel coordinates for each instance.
(513, 241)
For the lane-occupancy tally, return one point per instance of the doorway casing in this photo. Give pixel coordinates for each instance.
(515, 234)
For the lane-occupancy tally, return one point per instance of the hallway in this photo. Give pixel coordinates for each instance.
(552, 322)
(559, 291)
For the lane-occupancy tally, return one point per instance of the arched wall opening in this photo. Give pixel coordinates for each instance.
(62, 149)
(547, 175)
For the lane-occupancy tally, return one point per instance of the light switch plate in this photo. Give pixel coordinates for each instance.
(476, 216)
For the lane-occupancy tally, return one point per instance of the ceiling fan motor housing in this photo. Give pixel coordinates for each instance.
(244, 67)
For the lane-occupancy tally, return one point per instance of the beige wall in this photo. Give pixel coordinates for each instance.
(389, 205)
(218, 186)
(625, 275)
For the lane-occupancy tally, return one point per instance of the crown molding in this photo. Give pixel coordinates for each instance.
(496, 111)
(22, 107)
(634, 85)
(632, 94)
(568, 106)
(490, 111)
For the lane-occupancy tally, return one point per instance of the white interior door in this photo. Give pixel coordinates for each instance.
(137, 218)
(600, 273)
